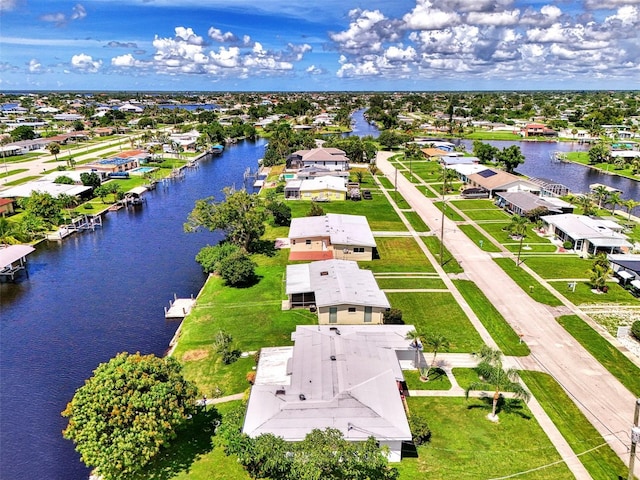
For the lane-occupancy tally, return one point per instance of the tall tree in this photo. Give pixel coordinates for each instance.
(601, 194)
(54, 149)
(630, 205)
(127, 412)
(241, 216)
(599, 153)
(614, 200)
(518, 228)
(510, 158)
(486, 153)
(492, 373)
(416, 344)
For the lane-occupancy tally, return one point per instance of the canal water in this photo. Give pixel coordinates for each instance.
(538, 163)
(90, 297)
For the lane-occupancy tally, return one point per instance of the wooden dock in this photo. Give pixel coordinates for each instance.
(179, 307)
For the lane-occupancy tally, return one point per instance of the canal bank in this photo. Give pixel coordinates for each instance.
(88, 298)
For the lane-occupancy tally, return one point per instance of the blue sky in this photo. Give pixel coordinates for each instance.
(294, 45)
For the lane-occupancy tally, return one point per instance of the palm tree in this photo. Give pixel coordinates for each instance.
(600, 272)
(436, 342)
(630, 205)
(518, 228)
(614, 200)
(54, 149)
(492, 373)
(414, 336)
(601, 192)
(585, 203)
(8, 232)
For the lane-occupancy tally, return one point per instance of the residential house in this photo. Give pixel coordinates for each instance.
(6, 207)
(538, 130)
(347, 378)
(495, 181)
(339, 290)
(626, 267)
(589, 236)
(333, 235)
(320, 189)
(521, 203)
(432, 153)
(329, 158)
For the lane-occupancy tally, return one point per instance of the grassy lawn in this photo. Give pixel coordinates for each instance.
(497, 232)
(438, 379)
(409, 283)
(493, 136)
(194, 455)
(473, 233)
(492, 214)
(385, 182)
(450, 264)
(603, 463)
(608, 355)
(528, 248)
(378, 211)
(477, 204)
(560, 266)
(526, 281)
(13, 172)
(416, 222)
(399, 254)
(450, 213)
(507, 339)
(225, 308)
(465, 445)
(583, 294)
(438, 313)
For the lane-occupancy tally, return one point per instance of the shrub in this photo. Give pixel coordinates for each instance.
(210, 257)
(568, 245)
(393, 316)
(635, 330)
(420, 431)
(223, 345)
(316, 210)
(237, 269)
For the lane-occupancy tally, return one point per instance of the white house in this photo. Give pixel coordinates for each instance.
(348, 378)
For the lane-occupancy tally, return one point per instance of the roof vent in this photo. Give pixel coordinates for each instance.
(280, 392)
(335, 330)
(324, 274)
(333, 358)
(302, 397)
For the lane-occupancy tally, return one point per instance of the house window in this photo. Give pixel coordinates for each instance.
(352, 309)
(367, 314)
(293, 242)
(358, 249)
(307, 242)
(333, 314)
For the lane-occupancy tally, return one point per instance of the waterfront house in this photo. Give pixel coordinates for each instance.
(329, 158)
(339, 290)
(626, 267)
(320, 189)
(495, 181)
(588, 235)
(347, 378)
(333, 235)
(538, 130)
(432, 153)
(522, 203)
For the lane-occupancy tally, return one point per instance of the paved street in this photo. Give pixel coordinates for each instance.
(604, 401)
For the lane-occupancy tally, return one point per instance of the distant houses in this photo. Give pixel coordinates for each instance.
(346, 237)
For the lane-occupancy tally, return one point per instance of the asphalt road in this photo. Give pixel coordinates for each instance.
(605, 402)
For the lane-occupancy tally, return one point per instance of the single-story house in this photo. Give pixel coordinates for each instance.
(313, 172)
(625, 266)
(124, 161)
(329, 158)
(340, 291)
(348, 378)
(588, 235)
(521, 203)
(459, 160)
(321, 189)
(346, 237)
(433, 153)
(44, 186)
(496, 181)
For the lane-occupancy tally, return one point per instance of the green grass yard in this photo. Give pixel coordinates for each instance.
(473, 233)
(528, 284)
(399, 254)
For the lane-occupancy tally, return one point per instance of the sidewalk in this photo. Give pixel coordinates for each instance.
(601, 397)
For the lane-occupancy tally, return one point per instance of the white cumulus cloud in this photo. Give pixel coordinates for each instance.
(85, 63)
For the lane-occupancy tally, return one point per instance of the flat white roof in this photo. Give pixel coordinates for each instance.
(344, 379)
(340, 228)
(13, 253)
(43, 186)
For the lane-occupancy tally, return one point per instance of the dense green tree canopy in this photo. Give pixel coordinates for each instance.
(127, 412)
(23, 132)
(90, 179)
(241, 216)
(486, 153)
(510, 158)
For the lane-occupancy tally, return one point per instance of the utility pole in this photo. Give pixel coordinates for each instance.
(635, 438)
(444, 209)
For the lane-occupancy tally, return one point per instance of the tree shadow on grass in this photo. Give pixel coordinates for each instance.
(264, 247)
(505, 405)
(195, 440)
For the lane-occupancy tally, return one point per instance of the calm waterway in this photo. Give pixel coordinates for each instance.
(90, 297)
(102, 292)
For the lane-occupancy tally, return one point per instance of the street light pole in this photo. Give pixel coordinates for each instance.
(444, 209)
(635, 438)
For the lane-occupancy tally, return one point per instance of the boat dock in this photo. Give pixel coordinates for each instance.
(609, 189)
(79, 224)
(13, 259)
(179, 307)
